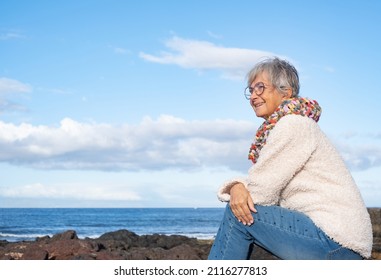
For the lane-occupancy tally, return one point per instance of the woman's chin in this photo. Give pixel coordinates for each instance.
(259, 114)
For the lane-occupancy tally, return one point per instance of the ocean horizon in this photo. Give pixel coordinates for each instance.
(26, 224)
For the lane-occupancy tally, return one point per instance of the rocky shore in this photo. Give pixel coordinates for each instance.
(126, 245)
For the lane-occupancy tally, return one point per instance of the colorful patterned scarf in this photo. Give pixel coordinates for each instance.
(298, 106)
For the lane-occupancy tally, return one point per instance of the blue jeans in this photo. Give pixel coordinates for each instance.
(287, 234)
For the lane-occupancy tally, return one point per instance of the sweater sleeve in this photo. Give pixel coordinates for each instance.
(288, 147)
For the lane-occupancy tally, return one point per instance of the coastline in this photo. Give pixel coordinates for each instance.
(117, 245)
(27, 224)
(127, 245)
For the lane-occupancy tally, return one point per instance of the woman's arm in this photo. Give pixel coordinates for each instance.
(289, 146)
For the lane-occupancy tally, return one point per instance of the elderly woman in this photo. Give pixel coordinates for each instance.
(299, 200)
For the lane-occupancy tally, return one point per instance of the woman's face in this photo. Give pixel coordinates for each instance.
(265, 103)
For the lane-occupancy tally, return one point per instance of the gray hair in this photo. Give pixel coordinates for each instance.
(281, 73)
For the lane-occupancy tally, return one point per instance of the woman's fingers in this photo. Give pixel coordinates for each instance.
(242, 204)
(250, 203)
(243, 214)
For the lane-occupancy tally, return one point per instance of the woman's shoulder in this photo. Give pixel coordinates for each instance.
(296, 123)
(296, 119)
(295, 129)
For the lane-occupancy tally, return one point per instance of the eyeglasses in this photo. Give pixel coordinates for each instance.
(258, 89)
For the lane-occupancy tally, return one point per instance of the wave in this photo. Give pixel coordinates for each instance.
(11, 237)
(16, 225)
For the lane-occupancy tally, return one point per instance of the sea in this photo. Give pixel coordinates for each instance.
(26, 224)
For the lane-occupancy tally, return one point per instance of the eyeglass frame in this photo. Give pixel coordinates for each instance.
(249, 90)
(259, 85)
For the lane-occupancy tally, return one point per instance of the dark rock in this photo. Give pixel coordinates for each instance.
(119, 240)
(34, 252)
(181, 252)
(68, 249)
(164, 241)
(120, 235)
(121, 244)
(375, 216)
(67, 235)
(43, 238)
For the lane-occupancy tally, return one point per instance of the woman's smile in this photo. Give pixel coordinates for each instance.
(257, 106)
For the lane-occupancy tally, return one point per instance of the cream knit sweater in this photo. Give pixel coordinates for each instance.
(299, 169)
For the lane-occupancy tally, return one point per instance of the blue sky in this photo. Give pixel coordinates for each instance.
(140, 103)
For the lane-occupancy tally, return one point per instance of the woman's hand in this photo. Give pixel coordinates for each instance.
(242, 204)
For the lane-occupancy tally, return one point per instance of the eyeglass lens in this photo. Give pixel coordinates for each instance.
(258, 89)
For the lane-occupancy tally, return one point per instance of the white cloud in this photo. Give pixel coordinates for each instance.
(6, 105)
(8, 86)
(371, 191)
(360, 151)
(71, 191)
(167, 142)
(119, 50)
(160, 149)
(214, 35)
(57, 91)
(76, 188)
(11, 35)
(203, 55)
(369, 183)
